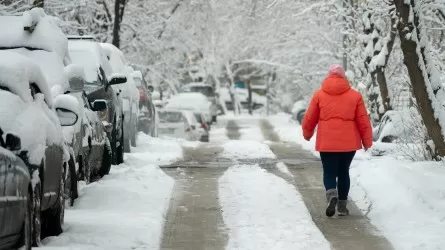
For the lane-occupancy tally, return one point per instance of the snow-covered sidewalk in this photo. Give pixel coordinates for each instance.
(405, 200)
(123, 210)
(263, 211)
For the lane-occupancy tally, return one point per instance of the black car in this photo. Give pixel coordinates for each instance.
(16, 200)
(98, 81)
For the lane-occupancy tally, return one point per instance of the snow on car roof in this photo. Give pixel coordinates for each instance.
(136, 74)
(195, 101)
(90, 55)
(46, 35)
(18, 71)
(115, 56)
(196, 84)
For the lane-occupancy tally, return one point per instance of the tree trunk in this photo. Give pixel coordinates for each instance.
(409, 33)
(249, 97)
(38, 3)
(119, 7)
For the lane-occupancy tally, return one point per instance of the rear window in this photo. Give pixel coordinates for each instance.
(170, 116)
(198, 118)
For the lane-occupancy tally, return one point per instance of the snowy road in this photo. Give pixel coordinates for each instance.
(244, 190)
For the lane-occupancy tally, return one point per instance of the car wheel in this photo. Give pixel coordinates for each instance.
(36, 215)
(55, 216)
(114, 144)
(127, 144)
(71, 182)
(106, 161)
(120, 149)
(86, 169)
(25, 241)
(214, 118)
(133, 137)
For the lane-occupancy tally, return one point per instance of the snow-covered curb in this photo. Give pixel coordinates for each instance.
(263, 211)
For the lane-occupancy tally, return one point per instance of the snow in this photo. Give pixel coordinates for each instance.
(408, 199)
(283, 168)
(160, 151)
(245, 149)
(75, 71)
(191, 101)
(263, 211)
(123, 210)
(14, 35)
(67, 102)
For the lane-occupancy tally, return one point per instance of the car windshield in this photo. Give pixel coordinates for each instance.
(169, 116)
(205, 90)
(87, 60)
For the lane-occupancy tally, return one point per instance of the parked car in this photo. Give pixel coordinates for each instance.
(208, 91)
(130, 94)
(192, 102)
(147, 121)
(16, 201)
(93, 143)
(29, 112)
(178, 124)
(98, 81)
(299, 110)
(203, 127)
(400, 125)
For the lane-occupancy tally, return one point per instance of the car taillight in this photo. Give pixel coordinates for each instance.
(204, 126)
(142, 94)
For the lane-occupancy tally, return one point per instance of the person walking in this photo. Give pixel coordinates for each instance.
(343, 128)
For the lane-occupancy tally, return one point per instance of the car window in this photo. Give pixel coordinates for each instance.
(86, 59)
(167, 116)
(86, 102)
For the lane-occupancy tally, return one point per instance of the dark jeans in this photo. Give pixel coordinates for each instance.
(336, 165)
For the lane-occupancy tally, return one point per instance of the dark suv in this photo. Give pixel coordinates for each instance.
(98, 81)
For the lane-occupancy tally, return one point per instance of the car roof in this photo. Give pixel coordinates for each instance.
(18, 71)
(45, 35)
(95, 49)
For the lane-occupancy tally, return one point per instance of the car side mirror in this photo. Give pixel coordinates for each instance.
(13, 142)
(66, 107)
(76, 77)
(117, 79)
(99, 105)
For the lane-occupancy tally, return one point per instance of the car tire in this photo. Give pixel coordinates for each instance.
(25, 241)
(133, 137)
(114, 144)
(70, 185)
(55, 216)
(120, 149)
(106, 161)
(36, 215)
(86, 169)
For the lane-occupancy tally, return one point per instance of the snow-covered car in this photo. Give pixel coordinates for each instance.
(98, 81)
(95, 152)
(401, 125)
(130, 93)
(29, 112)
(196, 102)
(147, 122)
(258, 101)
(202, 127)
(208, 91)
(298, 110)
(178, 124)
(15, 196)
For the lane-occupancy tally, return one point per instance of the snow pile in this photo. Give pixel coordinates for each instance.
(125, 210)
(218, 135)
(243, 149)
(283, 168)
(402, 199)
(46, 35)
(156, 151)
(263, 211)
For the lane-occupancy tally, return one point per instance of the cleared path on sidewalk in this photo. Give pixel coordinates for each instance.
(344, 233)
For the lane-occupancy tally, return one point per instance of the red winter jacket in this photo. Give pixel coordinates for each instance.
(339, 111)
